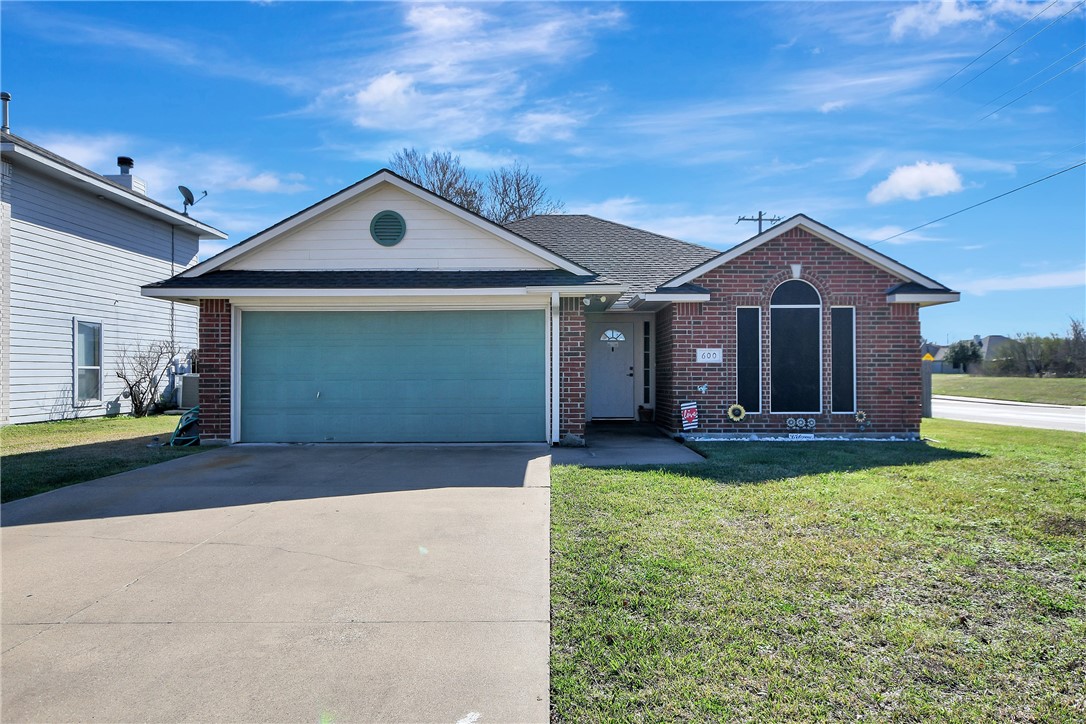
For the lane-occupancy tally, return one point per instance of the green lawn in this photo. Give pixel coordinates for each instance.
(1053, 391)
(798, 581)
(42, 456)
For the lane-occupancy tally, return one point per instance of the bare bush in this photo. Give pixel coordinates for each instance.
(140, 367)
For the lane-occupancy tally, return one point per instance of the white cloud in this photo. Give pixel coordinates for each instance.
(831, 106)
(389, 99)
(667, 220)
(96, 153)
(457, 74)
(928, 18)
(164, 167)
(1051, 280)
(918, 181)
(533, 127)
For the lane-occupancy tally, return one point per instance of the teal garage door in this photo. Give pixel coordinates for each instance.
(464, 376)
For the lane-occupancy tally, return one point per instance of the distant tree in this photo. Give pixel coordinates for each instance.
(1076, 348)
(509, 193)
(961, 354)
(515, 193)
(442, 173)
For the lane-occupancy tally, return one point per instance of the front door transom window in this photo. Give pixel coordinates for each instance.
(612, 335)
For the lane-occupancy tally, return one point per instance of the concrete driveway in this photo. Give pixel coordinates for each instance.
(285, 583)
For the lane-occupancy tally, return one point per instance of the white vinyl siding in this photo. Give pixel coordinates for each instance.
(435, 240)
(74, 255)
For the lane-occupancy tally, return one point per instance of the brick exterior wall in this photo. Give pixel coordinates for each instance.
(888, 386)
(215, 331)
(571, 350)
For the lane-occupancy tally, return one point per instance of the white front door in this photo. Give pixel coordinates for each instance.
(611, 370)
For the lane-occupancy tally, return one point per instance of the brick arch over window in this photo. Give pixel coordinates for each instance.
(795, 344)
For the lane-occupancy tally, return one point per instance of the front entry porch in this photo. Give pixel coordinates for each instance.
(620, 351)
(621, 444)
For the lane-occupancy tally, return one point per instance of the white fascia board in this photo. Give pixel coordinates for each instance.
(924, 300)
(352, 192)
(125, 198)
(821, 231)
(225, 293)
(639, 299)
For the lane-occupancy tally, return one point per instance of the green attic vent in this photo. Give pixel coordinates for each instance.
(388, 228)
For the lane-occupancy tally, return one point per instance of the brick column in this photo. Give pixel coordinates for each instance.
(571, 360)
(215, 369)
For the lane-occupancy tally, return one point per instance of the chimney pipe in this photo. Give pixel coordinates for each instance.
(125, 164)
(5, 97)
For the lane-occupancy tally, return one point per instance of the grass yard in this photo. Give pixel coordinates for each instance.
(799, 581)
(46, 455)
(1052, 391)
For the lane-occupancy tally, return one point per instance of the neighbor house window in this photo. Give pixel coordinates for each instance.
(796, 348)
(748, 358)
(87, 382)
(843, 359)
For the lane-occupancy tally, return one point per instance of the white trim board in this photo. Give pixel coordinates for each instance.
(224, 293)
(384, 176)
(821, 231)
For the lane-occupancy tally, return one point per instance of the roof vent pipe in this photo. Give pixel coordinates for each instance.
(125, 164)
(6, 98)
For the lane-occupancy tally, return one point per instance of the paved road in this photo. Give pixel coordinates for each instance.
(1005, 412)
(285, 583)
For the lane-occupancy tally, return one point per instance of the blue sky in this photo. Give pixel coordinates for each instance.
(673, 117)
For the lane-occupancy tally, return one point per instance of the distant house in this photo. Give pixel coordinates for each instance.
(385, 313)
(76, 248)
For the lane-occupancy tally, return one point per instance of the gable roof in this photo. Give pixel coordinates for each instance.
(836, 238)
(56, 166)
(384, 176)
(637, 258)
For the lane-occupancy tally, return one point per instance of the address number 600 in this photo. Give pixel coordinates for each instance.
(710, 356)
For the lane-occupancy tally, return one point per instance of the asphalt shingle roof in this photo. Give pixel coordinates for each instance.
(635, 257)
(378, 279)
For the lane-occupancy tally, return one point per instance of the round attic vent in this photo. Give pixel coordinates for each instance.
(388, 228)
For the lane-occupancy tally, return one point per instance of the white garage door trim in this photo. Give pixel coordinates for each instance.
(466, 302)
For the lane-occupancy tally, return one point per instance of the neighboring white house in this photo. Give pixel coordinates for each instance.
(76, 248)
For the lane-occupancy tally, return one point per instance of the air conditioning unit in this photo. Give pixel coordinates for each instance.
(189, 396)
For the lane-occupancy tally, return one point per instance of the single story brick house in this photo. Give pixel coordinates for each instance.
(385, 313)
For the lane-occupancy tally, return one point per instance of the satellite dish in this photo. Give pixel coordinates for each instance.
(190, 200)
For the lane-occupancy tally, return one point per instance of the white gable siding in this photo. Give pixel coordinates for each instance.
(73, 255)
(435, 240)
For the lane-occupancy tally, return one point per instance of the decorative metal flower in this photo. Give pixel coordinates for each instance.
(810, 422)
(791, 422)
(861, 417)
(736, 412)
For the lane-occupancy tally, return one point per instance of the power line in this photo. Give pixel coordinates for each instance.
(1027, 80)
(1042, 85)
(1022, 44)
(1005, 37)
(982, 203)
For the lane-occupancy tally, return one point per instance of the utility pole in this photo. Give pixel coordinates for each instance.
(760, 218)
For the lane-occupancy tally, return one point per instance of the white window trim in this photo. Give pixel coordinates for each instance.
(855, 392)
(760, 361)
(97, 401)
(821, 349)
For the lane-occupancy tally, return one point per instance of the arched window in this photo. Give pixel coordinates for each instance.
(796, 348)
